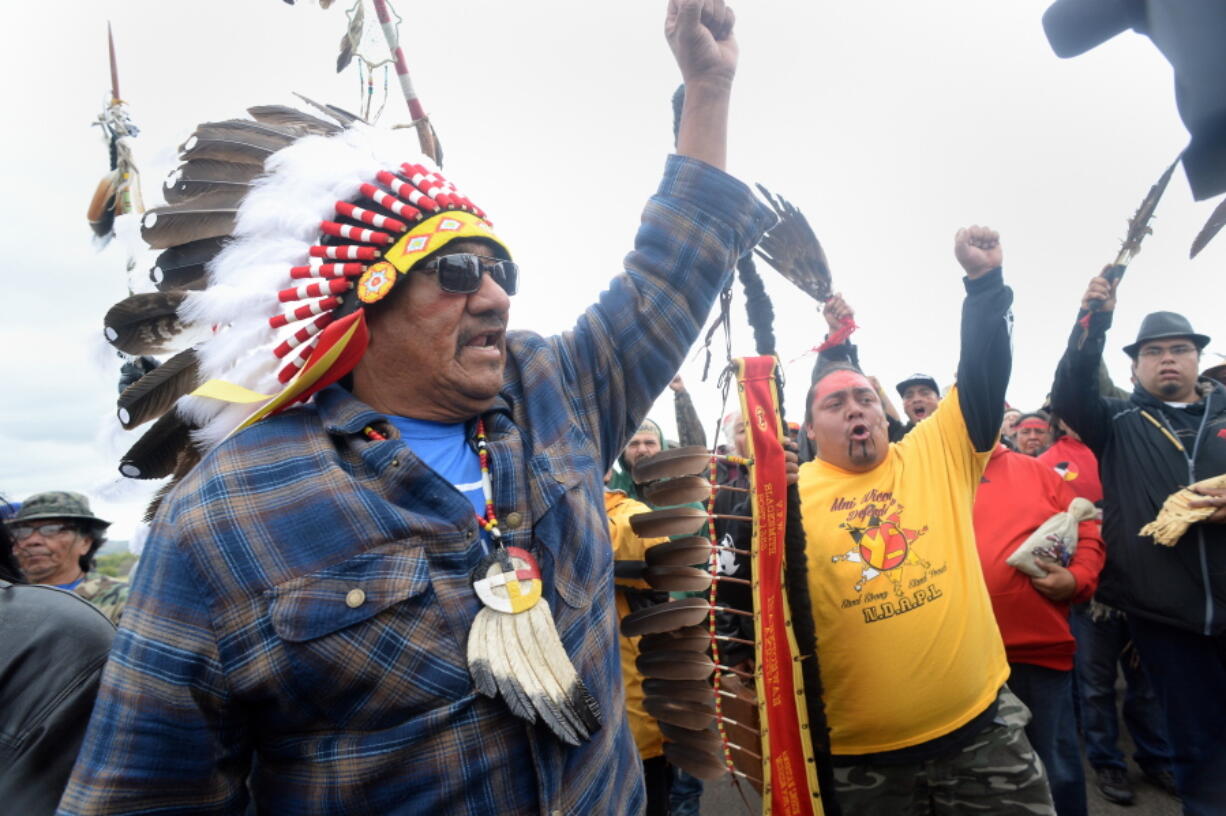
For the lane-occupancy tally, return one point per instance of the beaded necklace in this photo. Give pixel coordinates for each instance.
(513, 646)
(490, 522)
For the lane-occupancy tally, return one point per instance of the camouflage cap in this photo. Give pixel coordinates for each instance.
(56, 504)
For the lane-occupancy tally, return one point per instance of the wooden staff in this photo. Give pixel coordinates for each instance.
(425, 132)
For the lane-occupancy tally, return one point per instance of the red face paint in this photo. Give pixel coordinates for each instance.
(848, 425)
(839, 381)
(1037, 424)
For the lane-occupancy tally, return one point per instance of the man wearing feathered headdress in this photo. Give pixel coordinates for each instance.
(398, 597)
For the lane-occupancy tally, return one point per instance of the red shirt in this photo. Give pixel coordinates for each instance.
(1077, 465)
(1018, 493)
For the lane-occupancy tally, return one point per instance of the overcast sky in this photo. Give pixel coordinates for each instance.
(891, 124)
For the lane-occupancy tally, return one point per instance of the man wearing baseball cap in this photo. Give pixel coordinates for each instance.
(55, 537)
(920, 397)
(1168, 434)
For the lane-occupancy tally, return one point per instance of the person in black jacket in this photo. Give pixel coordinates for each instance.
(53, 645)
(1170, 433)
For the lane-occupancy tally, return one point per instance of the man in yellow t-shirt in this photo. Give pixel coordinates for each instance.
(912, 662)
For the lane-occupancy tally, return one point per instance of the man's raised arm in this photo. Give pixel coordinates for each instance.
(986, 359)
(700, 35)
(625, 349)
(1076, 393)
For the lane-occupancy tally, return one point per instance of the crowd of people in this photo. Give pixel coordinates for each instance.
(403, 595)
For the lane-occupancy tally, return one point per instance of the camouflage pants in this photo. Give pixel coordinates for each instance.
(996, 773)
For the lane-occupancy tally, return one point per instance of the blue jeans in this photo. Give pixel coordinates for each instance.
(686, 794)
(1052, 732)
(1189, 675)
(1099, 647)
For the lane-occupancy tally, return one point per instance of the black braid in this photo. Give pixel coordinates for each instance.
(758, 306)
(796, 579)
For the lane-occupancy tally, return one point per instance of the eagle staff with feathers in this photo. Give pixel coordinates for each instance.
(382, 547)
(119, 191)
(708, 712)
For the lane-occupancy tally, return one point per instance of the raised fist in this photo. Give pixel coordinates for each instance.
(978, 250)
(1100, 291)
(700, 35)
(836, 310)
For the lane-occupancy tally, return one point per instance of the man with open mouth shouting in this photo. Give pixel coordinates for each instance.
(920, 397)
(912, 660)
(396, 597)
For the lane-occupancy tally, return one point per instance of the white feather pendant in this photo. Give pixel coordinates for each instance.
(514, 650)
(478, 659)
(506, 666)
(577, 700)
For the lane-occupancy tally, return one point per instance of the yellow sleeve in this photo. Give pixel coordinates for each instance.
(944, 438)
(626, 545)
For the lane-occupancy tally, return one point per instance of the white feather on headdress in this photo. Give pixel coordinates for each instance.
(277, 222)
(248, 287)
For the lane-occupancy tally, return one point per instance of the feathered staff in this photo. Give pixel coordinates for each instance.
(426, 136)
(1138, 228)
(712, 729)
(1138, 225)
(793, 238)
(792, 248)
(356, 42)
(119, 191)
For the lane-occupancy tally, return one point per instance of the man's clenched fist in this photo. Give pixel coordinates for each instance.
(978, 250)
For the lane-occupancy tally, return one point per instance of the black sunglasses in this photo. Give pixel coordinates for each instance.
(460, 274)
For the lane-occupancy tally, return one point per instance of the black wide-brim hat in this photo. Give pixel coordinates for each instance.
(1163, 325)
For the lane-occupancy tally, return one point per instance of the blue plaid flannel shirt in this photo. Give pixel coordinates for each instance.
(240, 671)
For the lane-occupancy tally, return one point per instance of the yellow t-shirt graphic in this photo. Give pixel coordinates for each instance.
(907, 640)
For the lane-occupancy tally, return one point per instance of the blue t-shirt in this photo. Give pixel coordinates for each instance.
(444, 447)
(71, 585)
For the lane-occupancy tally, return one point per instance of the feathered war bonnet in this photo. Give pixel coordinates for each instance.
(277, 232)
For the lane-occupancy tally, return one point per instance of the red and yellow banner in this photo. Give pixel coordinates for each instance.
(789, 772)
